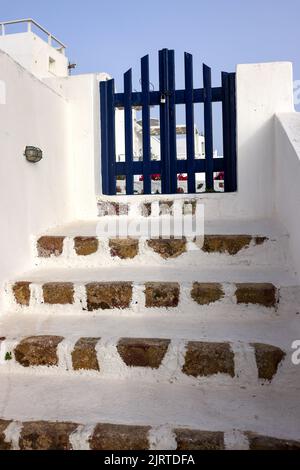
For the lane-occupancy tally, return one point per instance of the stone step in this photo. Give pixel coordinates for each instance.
(138, 296)
(47, 435)
(150, 359)
(221, 322)
(209, 250)
(128, 248)
(265, 411)
(232, 243)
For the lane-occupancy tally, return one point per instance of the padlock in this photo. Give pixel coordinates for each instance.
(162, 98)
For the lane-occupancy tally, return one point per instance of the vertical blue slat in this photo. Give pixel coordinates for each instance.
(189, 121)
(164, 122)
(104, 136)
(233, 144)
(172, 122)
(146, 124)
(111, 160)
(208, 130)
(226, 130)
(229, 131)
(128, 130)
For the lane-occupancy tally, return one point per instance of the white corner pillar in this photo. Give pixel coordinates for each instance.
(262, 91)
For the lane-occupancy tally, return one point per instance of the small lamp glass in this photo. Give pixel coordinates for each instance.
(33, 154)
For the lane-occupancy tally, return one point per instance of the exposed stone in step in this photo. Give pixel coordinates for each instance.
(257, 442)
(3, 444)
(124, 247)
(166, 207)
(259, 240)
(268, 358)
(143, 352)
(205, 359)
(58, 293)
(84, 355)
(189, 439)
(162, 294)
(205, 293)
(112, 208)
(43, 435)
(168, 248)
(38, 351)
(231, 244)
(21, 292)
(108, 295)
(146, 209)
(85, 246)
(50, 246)
(256, 293)
(120, 437)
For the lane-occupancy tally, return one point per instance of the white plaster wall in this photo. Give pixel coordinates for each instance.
(287, 187)
(83, 121)
(33, 197)
(262, 91)
(33, 53)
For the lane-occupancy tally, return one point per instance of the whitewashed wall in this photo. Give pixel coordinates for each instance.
(83, 121)
(33, 53)
(262, 91)
(287, 188)
(32, 196)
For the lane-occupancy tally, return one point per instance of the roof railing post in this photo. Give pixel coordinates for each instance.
(29, 26)
(50, 40)
(3, 29)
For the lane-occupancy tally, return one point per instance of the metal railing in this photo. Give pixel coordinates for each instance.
(31, 22)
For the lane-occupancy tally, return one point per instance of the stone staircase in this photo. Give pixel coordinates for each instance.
(152, 343)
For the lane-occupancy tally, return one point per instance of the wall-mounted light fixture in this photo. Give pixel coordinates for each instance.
(33, 154)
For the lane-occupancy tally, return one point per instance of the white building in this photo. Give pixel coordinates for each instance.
(155, 138)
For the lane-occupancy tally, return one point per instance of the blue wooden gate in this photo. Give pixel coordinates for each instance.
(167, 97)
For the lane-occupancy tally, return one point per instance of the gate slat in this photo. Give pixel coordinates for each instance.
(104, 136)
(111, 163)
(226, 129)
(189, 118)
(233, 153)
(146, 124)
(172, 122)
(128, 130)
(164, 122)
(229, 131)
(208, 128)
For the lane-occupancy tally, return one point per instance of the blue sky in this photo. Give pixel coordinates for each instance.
(111, 36)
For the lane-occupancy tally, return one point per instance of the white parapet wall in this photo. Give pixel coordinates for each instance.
(82, 94)
(35, 55)
(32, 196)
(262, 91)
(287, 187)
